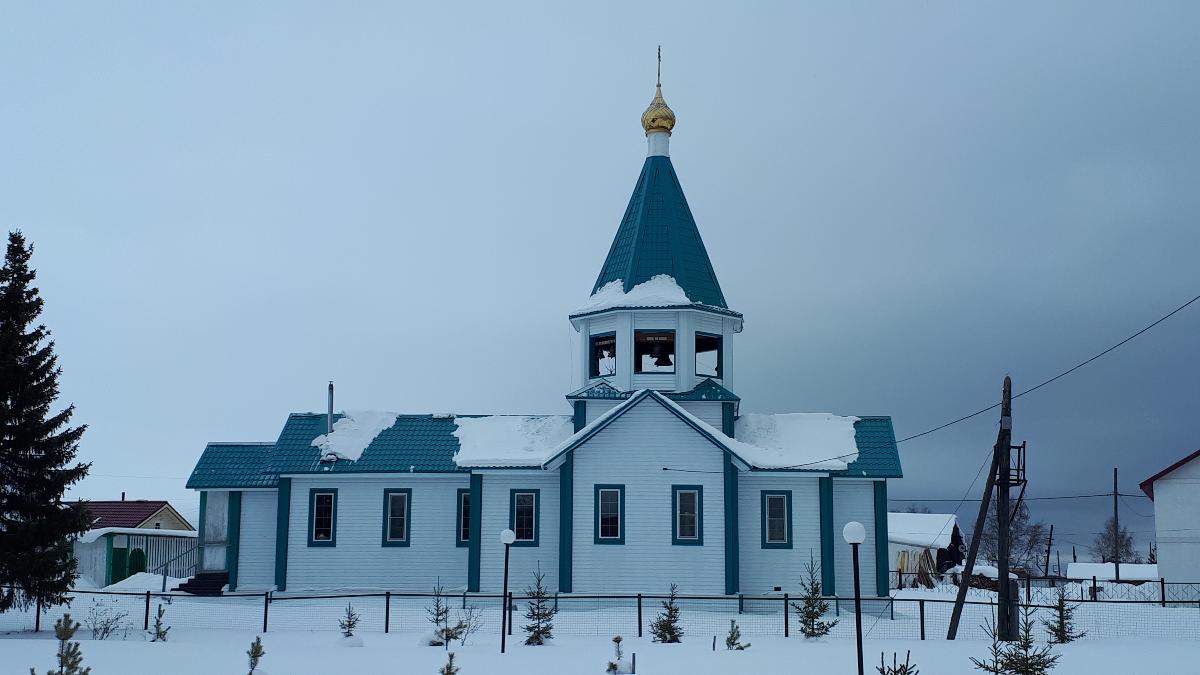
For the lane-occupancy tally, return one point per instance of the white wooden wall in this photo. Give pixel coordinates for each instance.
(359, 560)
(256, 543)
(854, 500)
(707, 411)
(216, 529)
(633, 451)
(762, 569)
(1176, 504)
(93, 561)
(525, 559)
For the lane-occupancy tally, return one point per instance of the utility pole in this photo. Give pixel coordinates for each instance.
(1003, 461)
(1116, 532)
(1003, 442)
(1049, 545)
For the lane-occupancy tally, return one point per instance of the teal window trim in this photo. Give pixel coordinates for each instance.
(787, 510)
(458, 521)
(235, 535)
(620, 490)
(828, 572)
(698, 540)
(283, 509)
(512, 514)
(312, 505)
(387, 516)
(881, 539)
(637, 363)
(593, 365)
(720, 354)
(199, 537)
(474, 549)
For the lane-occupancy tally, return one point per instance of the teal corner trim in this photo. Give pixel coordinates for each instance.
(312, 503)
(199, 534)
(235, 535)
(727, 417)
(596, 538)
(579, 416)
(787, 522)
(458, 520)
(108, 547)
(473, 549)
(282, 512)
(537, 515)
(881, 539)
(828, 573)
(387, 516)
(697, 540)
(732, 550)
(566, 527)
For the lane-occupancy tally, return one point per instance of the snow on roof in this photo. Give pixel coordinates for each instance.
(657, 291)
(1105, 571)
(923, 530)
(92, 535)
(354, 432)
(510, 440)
(812, 441)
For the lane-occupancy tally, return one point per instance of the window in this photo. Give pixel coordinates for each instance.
(523, 516)
(777, 519)
(654, 351)
(687, 512)
(397, 508)
(708, 355)
(603, 355)
(463, 537)
(322, 517)
(610, 514)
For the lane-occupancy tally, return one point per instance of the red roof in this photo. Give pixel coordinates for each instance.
(123, 513)
(1148, 484)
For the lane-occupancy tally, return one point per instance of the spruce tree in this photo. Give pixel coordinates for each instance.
(69, 657)
(256, 652)
(37, 449)
(665, 627)
(540, 612)
(994, 663)
(1024, 657)
(733, 641)
(349, 621)
(813, 606)
(449, 668)
(1061, 624)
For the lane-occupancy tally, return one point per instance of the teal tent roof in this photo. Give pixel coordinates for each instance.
(658, 236)
(878, 456)
(233, 465)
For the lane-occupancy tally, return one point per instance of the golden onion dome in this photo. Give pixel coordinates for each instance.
(659, 116)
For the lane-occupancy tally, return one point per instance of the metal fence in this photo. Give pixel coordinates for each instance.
(1045, 589)
(627, 615)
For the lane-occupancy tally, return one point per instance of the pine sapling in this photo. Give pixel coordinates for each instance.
(665, 627)
(993, 663)
(439, 616)
(255, 653)
(1061, 625)
(70, 658)
(540, 612)
(160, 628)
(449, 668)
(1024, 657)
(813, 606)
(614, 666)
(733, 641)
(897, 668)
(349, 621)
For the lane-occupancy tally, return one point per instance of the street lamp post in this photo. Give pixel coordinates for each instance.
(854, 533)
(507, 537)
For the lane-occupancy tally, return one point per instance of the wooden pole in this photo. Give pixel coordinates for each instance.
(1049, 545)
(1117, 542)
(1003, 451)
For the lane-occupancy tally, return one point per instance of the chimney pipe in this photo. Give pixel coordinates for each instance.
(122, 495)
(329, 417)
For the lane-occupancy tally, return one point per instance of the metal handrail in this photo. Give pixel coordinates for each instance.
(163, 566)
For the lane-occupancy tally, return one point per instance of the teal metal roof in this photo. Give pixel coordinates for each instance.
(878, 456)
(233, 465)
(420, 443)
(659, 236)
(706, 390)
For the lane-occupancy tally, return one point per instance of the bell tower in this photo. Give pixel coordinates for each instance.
(657, 318)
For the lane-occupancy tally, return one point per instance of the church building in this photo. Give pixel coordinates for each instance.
(653, 475)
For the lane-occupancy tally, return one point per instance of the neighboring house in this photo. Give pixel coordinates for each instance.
(655, 477)
(922, 546)
(127, 537)
(1176, 494)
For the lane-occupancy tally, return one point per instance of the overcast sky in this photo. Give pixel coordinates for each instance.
(234, 204)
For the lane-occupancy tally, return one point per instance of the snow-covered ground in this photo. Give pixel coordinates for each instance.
(209, 652)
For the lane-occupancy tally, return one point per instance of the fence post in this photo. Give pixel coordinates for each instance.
(37, 619)
(785, 615)
(741, 603)
(837, 606)
(1093, 588)
(1028, 589)
(634, 665)
(1162, 591)
(921, 606)
(266, 608)
(146, 616)
(639, 615)
(387, 611)
(510, 612)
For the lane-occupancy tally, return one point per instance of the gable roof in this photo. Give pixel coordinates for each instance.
(1148, 484)
(233, 465)
(418, 443)
(125, 513)
(659, 236)
(707, 389)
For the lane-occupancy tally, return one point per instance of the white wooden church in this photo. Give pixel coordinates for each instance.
(654, 475)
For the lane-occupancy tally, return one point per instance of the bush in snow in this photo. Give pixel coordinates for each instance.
(69, 657)
(160, 629)
(468, 624)
(348, 622)
(255, 653)
(733, 641)
(1061, 625)
(897, 668)
(104, 619)
(813, 607)
(449, 668)
(665, 627)
(540, 612)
